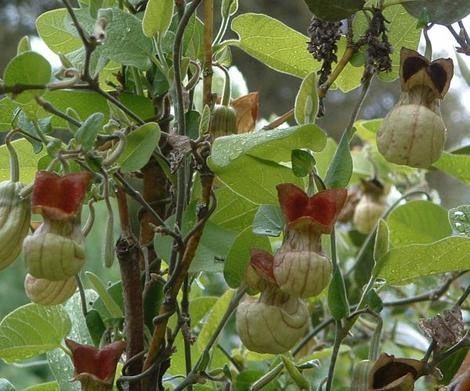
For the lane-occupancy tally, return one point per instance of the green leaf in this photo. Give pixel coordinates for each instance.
(141, 143)
(51, 29)
(96, 326)
(440, 11)
(261, 143)
(228, 8)
(249, 163)
(86, 134)
(303, 162)
(214, 319)
(233, 212)
(306, 101)
(403, 265)
(382, 240)
(27, 68)
(239, 255)
(59, 362)
(284, 49)
(5, 385)
(373, 301)
(455, 165)
(212, 250)
(418, 222)
(337, 298)
(299, 379)
(115, 291)
(200, 306)
(27, 159)
(157, 17)
(340, 169)
(460, 219)
(86, 103)
(125, 41)
(268, 220)
(366, 130)
(450, 365)
(464, 69)
(31, 330)
(108, 301)
(24, 45)
(50, 386)
(334, 11)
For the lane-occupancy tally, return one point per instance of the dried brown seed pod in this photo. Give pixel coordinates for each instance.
(394, 374)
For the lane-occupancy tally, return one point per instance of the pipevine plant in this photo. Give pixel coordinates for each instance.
(332, 254)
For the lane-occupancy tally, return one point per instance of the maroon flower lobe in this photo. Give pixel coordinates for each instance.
(263, 263)
(98, 363)
(321, 209)
(59, 197)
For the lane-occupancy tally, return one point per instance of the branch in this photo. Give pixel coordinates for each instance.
(323, 89)
(280, 120)
(208, 32)
(171, 292)
(200, 367)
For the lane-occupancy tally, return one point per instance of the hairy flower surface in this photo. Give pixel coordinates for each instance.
(95, 368)
(59, 197)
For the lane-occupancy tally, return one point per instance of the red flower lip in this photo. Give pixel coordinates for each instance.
(321, 210)
(59, 197)
(98, 363)
(263, 263)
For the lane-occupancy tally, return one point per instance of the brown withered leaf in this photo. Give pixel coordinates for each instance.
(446, 329)
(246, 108)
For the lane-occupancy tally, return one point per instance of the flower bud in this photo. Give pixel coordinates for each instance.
(45, 292)
(223, 121)
(371, 206)
(15, 215)
(413, 132)
(272, 324)
(55, 251)
(394, 374)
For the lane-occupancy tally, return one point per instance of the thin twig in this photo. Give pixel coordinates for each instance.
(279, 120)
(81, 290)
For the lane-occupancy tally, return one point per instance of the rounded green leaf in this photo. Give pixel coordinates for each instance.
(141, 143)
(440, 11)
(418, 222)
(334, 11)
(403, 265)
(239, 255)
(28, 68)
(157, 17)
(52, 30)
(31, 330)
